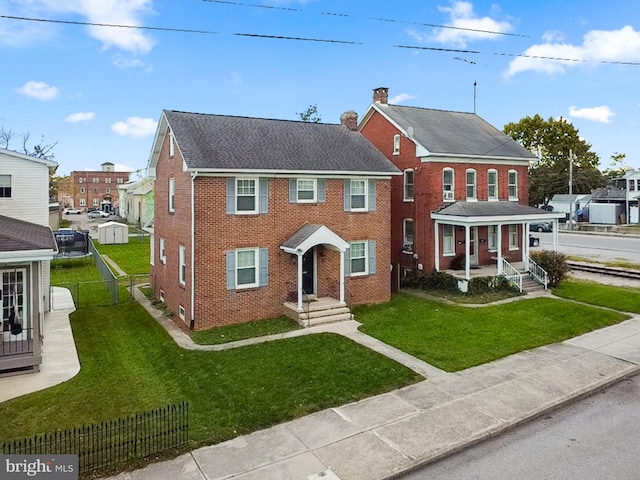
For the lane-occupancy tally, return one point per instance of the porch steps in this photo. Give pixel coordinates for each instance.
(320, 311)
(530, 284)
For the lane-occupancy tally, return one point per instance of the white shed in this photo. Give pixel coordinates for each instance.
(113, 232)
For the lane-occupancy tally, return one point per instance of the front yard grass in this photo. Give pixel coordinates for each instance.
(455, 337)
(625, 299)
(133, 257)
(241, 331)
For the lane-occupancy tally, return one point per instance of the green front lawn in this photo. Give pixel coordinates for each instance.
(454, 337)
(133, 257)
(624, 299)
(241, 331)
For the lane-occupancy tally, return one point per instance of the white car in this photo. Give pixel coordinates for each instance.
(97, 214)
(72, 211)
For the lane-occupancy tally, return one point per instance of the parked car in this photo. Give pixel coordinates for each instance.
(534, 241)
(91, 209)
(72, 211)
(541, 227)
(97, 214)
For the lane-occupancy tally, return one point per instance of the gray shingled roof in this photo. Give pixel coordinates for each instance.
(301, 235)
(455, 133)
(19, 236)
(491, 209)
(221, 142)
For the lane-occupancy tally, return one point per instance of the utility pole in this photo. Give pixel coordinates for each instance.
(475, 84)
(570, 189)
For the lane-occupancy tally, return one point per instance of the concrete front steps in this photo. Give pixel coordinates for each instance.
(530, 284)
(318, 311)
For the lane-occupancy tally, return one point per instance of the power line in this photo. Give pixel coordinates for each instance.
(346, 15)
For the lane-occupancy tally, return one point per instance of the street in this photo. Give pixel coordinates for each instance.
(597, 247)
(596, 438)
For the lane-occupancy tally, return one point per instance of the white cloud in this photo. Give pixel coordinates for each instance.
(463, 17)
(135, 127)
(598, 46)
(601, 114)
(80, 117)
(38, 90)
(401, 98)
(117, 12)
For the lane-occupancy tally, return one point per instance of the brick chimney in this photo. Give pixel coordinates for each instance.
(381, 95)
(350, 120)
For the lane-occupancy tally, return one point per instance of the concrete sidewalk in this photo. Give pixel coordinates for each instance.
(384, 436)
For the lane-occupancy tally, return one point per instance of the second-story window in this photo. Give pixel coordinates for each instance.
(492, 187)
(513, 185)
(447, 184)
(396, 144)
(246, 195)
(172, 194)
(471, 184)
(407, 244)
(306, 190)
(408, 184)
(358, 194)
(632, 185)
(82, 190)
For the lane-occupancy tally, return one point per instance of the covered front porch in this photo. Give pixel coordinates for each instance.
(320, 294)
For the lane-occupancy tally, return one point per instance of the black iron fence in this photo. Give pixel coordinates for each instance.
(113, 442)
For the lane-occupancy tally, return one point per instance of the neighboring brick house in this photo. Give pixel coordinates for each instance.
(464, 189)
(27, 246)
(93, 189)
(256, 217)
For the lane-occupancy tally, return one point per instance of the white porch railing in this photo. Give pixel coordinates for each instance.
(538, 273)
(512, 274)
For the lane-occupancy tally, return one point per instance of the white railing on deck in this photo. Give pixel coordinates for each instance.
(538, 273)
(512, 274)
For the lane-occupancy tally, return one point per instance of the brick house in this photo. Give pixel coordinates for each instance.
(27, 246)
(97, 189)
(463, 195)
(256, 217)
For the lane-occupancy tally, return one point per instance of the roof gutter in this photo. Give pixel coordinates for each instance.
(194, 175)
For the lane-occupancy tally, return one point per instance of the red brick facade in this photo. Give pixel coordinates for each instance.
(428, 197)
(217, 232)
(91, 188)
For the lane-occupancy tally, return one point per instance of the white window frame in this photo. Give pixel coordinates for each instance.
(182, 313)
(107, 180)
(172, 195)
(408, 239)
(313, 189)
(163, 251)
(107, 190)
(182, 265)
(448, 187)
(631, 185)
(513, 237)
(408, 182)
(492, 238)
(448, 240)
(492, 185)
(6, 183)
(513, 186)
(473, 185)
(172, 145)
(365, 194)
(82, 190)
(255, 267)
(396, 144)
(365, 257)
(255, 195)
(95, 202)
(83, 202)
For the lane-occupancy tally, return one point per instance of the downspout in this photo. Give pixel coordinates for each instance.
(194, 175)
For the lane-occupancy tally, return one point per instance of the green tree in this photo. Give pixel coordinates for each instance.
(617, 169)
(310, 114)
(551, 141)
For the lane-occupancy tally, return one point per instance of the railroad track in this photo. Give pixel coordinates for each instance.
(612, 271)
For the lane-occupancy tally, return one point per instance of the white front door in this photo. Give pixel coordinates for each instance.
(13, 283)
(473, 250)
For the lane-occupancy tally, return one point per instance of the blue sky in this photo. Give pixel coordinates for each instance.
(99, 91)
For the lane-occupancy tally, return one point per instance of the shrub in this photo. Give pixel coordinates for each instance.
(444, 281)
(480, 285)
(555, 264)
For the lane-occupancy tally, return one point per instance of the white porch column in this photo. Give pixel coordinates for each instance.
(299, 280)
(525, 247)
(467, 260)
(499, 247)
(436, 231)
(341, 276)
(556, 234)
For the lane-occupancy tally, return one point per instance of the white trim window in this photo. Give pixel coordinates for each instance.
(172, 145)
(83, 190)
(471, 184)
(359, 256)
(492, 184)
(513, 237)
(172, 195)
(96, 202)
(513, 185)
(358, 193)
(5, 186)
(448, 185)
(83, 202)
(492, 238)
(407, 241)
(396, 144)
(163, 251)
(247, 268)
(408, 185)
(307, 190)
(182, 313)
(246, 195)
(448, 241)
(183, 265)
